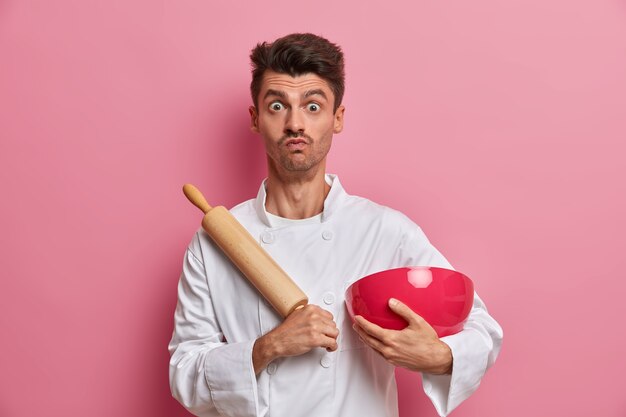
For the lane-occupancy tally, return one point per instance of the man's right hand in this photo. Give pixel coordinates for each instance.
(304, 329)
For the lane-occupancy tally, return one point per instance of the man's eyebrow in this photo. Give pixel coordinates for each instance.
(314, 92)
(277, 93)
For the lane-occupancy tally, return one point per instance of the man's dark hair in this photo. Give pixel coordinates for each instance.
(297, 54)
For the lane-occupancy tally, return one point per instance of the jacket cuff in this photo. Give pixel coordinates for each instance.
(468, 367)
(231, 379)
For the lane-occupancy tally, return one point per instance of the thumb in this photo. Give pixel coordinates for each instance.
(405, 312)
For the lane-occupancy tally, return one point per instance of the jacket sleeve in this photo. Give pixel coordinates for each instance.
(474, 349)
(208, 376)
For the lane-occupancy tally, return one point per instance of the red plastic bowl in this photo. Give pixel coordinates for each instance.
(441, 296)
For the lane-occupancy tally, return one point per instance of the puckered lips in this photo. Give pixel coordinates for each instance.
(296, 144)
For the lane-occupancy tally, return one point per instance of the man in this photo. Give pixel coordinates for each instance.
(232, 355)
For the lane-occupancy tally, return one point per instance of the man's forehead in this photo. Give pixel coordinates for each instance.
(300, 83)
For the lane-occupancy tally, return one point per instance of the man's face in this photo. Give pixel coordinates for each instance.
(296, 120)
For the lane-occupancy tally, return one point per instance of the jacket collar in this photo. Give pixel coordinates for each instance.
(333, 201)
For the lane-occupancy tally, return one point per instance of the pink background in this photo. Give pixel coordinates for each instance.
(498, 126)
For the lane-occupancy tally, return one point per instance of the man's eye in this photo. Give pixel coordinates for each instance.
(313, 107)
(276, 106)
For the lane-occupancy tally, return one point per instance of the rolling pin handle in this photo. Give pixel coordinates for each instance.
(301, 304)
(197, 199)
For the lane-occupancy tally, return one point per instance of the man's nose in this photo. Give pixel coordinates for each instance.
(295, 121)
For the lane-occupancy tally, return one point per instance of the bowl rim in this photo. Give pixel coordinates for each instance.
(383, 271)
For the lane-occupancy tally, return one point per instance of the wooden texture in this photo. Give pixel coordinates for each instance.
(252, 260)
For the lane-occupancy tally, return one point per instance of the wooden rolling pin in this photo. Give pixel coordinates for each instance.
(245, 252)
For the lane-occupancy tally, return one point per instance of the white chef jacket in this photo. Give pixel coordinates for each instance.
(219, 316)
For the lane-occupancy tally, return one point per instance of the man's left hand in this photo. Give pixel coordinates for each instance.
(416, 347)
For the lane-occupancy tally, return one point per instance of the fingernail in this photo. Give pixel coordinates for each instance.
(392, 302)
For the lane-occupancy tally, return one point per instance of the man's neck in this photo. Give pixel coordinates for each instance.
(296, 196)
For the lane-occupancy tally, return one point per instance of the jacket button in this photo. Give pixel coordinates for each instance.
(329, 298)
(325, 361)
(271, 368)
(327, 235)
(267, 237)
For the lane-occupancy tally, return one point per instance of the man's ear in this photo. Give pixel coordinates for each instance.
(254, 119)
(338, 127)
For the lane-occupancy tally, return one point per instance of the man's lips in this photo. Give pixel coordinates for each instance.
(296, 144)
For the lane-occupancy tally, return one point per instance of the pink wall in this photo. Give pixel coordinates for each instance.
(499, 126)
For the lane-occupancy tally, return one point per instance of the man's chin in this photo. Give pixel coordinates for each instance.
(295, 165)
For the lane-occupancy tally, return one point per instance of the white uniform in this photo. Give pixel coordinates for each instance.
(219, 316)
